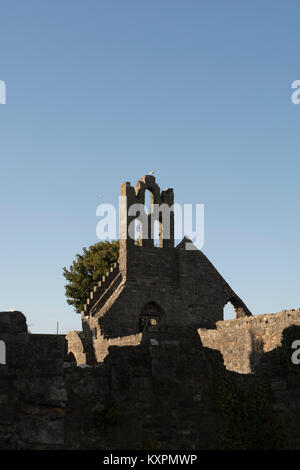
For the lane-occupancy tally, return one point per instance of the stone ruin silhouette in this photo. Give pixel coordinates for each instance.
(152, 349)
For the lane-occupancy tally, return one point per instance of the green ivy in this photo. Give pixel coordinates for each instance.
(107, 416)
(152, 445)
(245, 416)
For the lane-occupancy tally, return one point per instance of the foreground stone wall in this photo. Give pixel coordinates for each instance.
(160, 394)
(32, 391)
(243, 341)
(157, 390)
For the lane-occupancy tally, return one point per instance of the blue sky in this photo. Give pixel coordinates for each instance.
(100, 92)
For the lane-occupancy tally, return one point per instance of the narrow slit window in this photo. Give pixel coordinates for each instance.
(2, 352)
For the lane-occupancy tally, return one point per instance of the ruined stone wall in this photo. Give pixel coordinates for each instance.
(243, 341)
(158, 392)
(162, 393)
(32, 391)
(101, 344)
(76, 347)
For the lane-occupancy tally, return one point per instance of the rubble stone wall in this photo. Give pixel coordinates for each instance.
(244, 340)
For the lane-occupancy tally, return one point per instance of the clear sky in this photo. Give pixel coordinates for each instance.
(103, 91)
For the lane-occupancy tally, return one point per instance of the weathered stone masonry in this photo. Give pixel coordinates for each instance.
(243, 341)
(163, 391)
(175, 285)
(152, 349)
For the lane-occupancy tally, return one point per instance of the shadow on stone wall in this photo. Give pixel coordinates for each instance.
(256, 351)
(162, 394)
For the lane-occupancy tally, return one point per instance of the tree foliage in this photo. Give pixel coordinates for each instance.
(87, 270)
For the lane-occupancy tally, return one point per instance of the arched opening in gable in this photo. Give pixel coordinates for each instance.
(148, 201)
(229, 311)
(156, 233)
(151, 314)
(235, 308)
(145, 219)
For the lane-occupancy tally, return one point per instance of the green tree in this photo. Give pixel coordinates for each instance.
(87, 270)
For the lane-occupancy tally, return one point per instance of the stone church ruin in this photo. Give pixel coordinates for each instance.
(152, 349)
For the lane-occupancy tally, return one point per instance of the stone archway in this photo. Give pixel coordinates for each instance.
(239, 307)
(151, 314)
(75, 348)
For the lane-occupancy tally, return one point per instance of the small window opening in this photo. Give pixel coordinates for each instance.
(229, 312)
(2, 352)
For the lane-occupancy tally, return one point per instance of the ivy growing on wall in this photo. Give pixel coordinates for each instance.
(107, 416)
(246, 421)
(151, 444)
